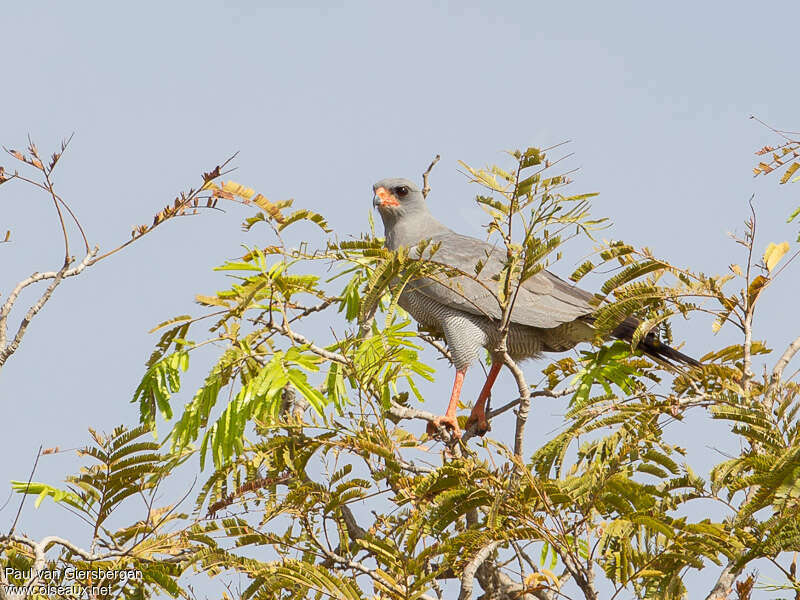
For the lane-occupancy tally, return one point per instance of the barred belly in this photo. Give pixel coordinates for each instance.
(466, 333)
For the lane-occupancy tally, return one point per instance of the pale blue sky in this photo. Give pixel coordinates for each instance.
(323, 99)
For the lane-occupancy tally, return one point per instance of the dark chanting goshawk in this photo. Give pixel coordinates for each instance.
(548, 315)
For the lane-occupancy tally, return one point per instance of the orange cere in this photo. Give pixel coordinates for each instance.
(387, 198)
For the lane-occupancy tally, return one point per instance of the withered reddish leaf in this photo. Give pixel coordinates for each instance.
(212, 175)
(220, 193)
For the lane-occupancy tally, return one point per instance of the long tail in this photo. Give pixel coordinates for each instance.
(651, 345)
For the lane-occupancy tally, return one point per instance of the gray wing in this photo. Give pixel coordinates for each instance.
(544, 300)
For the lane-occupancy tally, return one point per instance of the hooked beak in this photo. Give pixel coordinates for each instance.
(376, 201)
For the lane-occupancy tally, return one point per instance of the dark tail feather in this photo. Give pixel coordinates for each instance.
(651, 345)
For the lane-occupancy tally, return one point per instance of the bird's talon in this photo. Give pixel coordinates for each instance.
(479, 424)
(445, 421)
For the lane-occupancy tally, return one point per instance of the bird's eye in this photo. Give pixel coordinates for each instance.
(402, 191)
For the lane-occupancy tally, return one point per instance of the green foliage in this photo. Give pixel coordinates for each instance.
(124, 466)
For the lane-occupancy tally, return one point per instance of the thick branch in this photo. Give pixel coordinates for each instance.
(44, 544)
(7, 349)
(406, 412)
(524, 403)
(40, 548)
(784, 360)
(353, 528)
(468, 575)
(500, 586)
(582, 576)
(725, 582)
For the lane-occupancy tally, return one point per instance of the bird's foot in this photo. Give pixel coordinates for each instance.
(478, 423)
(448, 421)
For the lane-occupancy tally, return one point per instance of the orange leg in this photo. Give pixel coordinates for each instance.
(478, 414)
(449, 419)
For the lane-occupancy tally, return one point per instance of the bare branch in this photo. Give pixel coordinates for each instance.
(357, 566)
(25, 492)
(440, 347)
(501, 587)
(7, 349)
(749, 303)
(46, 542)
(784, 360)
(40, 548)
(301, 339)
(524, 403)
(426, 188)
(468, 575)
(724, 585)
(353, 528)
(406, 412)
(537, 394)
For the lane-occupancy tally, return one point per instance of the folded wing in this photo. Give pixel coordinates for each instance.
(544, 300)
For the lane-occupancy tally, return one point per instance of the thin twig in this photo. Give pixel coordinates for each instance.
(749, 304)
(25, 493)
(357, 566)
(537, 394)
(303, 340)
(440, 347)
(426, 188)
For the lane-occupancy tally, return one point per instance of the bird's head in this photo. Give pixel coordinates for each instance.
(396, 198)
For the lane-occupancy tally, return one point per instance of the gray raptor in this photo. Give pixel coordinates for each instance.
(549, 314)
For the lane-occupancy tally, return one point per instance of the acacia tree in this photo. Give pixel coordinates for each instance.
(317, 485)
